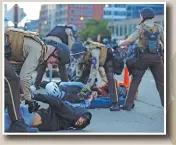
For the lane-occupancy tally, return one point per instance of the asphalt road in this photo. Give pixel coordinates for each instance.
(146, 117)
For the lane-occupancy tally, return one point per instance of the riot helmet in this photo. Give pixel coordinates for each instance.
(77, 50)
(147, 13)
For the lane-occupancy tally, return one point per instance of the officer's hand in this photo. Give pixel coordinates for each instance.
(33, 105)
(82, 96)
(39, 97)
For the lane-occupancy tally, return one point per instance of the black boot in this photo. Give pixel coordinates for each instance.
(20, 126)
(115, 107)
(125, 107)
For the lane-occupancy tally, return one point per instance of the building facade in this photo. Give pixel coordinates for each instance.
(43, 19)
(126, 27)
(116, 12)
(32, 25)
(77, 14)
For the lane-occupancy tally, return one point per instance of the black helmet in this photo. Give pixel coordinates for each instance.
(74, 30)
(147, 13)
(114, 41)
(63, 52)
(77, 48)
(105, 41)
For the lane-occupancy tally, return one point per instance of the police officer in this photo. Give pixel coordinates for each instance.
(148, 35)
(89, 64)
(61, 56)
(12, 101)
(61, 37)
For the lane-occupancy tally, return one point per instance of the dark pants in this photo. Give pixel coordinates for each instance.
(112, 85)
(155, 63)
(12, 92)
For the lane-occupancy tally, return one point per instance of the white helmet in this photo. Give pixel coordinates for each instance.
(52, 89)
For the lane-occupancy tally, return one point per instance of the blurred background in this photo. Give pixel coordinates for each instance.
(93, 21)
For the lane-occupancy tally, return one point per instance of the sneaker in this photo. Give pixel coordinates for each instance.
(20, 126)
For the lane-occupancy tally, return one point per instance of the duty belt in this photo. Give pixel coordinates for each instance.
(145, 50)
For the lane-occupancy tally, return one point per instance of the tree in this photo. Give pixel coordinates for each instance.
(93, 28)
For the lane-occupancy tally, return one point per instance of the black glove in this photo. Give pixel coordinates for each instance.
(40, 97)
(84, 94)
(33, 105)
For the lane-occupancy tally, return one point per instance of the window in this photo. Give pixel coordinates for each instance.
(117, 31)
(121, 30)
(125, 28)
(89, 12)
(130, 28)
(90, 5)
(71, 19)
(72, 11)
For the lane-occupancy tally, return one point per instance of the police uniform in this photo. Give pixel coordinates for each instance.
(61, 37)
(146, 59)
(12, 100)
(27, 52)
(98, 60)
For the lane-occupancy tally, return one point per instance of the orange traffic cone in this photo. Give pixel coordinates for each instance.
(126, 79)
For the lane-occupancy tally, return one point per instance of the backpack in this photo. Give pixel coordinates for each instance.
(16, 41)
(103, 52)
(152, 38)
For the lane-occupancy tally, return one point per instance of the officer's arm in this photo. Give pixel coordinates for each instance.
(94, 68)
(40, 73)
(132, 38)
(57, 105)
(63, 73)
(29, 66)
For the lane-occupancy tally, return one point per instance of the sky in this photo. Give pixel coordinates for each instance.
(31, 9)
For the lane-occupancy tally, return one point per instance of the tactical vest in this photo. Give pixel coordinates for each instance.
(150, 38)
(59, 31)
(88, 57)
(103, 53)
(16, 40)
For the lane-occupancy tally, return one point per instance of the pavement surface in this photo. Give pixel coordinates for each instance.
(146, 117)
